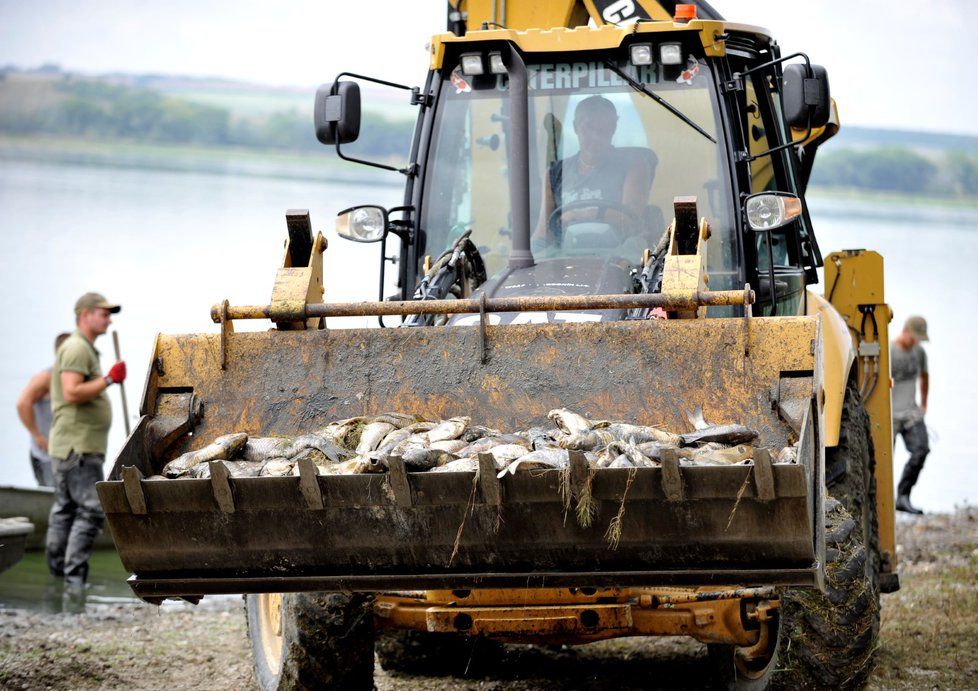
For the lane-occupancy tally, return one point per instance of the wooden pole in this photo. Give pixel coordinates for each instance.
(122, 388)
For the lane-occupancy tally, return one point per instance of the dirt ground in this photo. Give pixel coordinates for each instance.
(929, 639)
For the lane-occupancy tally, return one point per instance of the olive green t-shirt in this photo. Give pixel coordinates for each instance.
(78, 427)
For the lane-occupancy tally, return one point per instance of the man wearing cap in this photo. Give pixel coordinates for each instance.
(908, 364)
(79, 435)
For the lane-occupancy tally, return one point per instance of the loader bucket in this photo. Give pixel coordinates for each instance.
(682, 525)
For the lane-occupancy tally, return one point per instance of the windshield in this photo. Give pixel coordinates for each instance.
(606, 162)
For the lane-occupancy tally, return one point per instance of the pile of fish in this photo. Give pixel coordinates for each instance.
(365, 444)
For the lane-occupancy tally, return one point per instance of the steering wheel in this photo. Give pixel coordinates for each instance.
(553, 222)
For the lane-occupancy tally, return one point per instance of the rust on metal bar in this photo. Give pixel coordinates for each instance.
(492, 493)
(309, 484)
(557, 303)
(397, 477)
(227, 328)
(221, 487)
(763, 475)
(131, 477)
(672, 480)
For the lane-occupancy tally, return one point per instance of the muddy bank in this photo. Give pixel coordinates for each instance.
(929, 639)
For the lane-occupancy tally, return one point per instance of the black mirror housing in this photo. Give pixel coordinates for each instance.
(337, 112)
(803, 95)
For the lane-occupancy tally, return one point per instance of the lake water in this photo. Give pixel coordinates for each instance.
(169, 245)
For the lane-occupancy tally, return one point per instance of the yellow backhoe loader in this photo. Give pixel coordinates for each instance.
(673, 272)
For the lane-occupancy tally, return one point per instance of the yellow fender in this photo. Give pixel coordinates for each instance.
(838, 355)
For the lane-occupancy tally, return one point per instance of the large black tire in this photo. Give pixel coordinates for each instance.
(850, 474)
(436, 654)
(824, 640)
(326, 641)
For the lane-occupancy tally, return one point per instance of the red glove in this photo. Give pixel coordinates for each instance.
(117, 374)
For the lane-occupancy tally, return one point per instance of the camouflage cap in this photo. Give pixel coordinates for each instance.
(917, 326)
(91, 301)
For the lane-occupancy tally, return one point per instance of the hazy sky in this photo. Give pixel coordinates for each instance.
(890, 63)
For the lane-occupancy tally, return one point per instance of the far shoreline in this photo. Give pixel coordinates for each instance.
(306, 166)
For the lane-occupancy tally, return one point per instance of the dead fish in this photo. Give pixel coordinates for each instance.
(586, 441)
(540, 438)
(621, 462)
(277, 467)
(243, 468)
(482, 445)
(641, 434)
(735, 454)
(538, 460)
(725, 434)
(345, 433)
(223, 448)
(475, 432)
(398, 420)
(461, 465)
(507, 452)
(418, 459)
(262, 448)
(372, 435)
(355, 466)
(788, 454)
(393, 439)
(569, 422)
(449, 429)
(452, 446)
(327, 447)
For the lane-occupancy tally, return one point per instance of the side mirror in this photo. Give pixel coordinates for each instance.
(769, 210)
(362, 223)
(337, 112)
(803, 95)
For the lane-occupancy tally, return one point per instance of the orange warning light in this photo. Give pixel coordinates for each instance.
(685, 13)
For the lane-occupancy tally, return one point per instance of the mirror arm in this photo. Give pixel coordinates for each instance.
(416, 99)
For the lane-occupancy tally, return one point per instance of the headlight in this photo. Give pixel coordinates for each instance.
(769, 210)
(641, 54)
(671, 54)
(496, 65)
(472, 65)
(362, 223)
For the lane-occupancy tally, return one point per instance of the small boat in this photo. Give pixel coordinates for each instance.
(13, 538)
(34, 503)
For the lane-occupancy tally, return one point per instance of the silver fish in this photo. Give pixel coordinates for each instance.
(223, 448)
(732, 455)
(621, 462)
(277, 467)
(540, 438)
(327, 447)
(641, 434)
(355, 466)
(537, 460)
(262, 448)
(450, 445)
(569, 422)
(417, 459)
(461, 465)
(398, 420)
(788, 454)
(449, 429)
(475, 432)
(372, 435)
(243, 468)
(507, 452)
(586, 441)
(726, 434)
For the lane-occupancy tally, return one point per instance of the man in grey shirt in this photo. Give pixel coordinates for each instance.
(34, 411)
(908, 365)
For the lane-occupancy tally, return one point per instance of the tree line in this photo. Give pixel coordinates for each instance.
(898, 170)
(100, 110)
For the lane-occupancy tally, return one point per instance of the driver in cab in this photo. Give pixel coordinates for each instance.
(601, 183)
